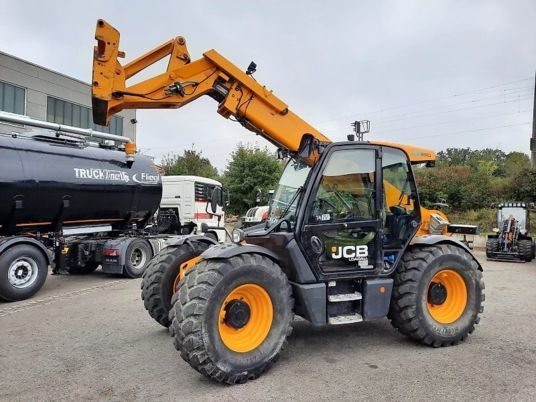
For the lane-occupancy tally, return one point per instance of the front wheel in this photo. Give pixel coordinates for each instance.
(161, 279)
(492, 246)
(437, 296)
(231, 317)
(23, 271)
(525, 249)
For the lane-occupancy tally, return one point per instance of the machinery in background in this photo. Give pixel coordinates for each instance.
(511, 240)
(183, 208)
(257, 214)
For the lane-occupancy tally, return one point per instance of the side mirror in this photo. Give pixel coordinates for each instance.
(214, 201)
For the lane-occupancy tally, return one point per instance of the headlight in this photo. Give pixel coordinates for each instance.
(238, 236)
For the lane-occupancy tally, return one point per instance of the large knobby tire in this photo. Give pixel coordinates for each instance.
(202, 328)
(157, 286)
(137, 258)
(525, 249)
(85, 270)
(412, 304)
(23, 271)
(492, 246)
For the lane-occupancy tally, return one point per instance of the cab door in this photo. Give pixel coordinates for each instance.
(341, 230)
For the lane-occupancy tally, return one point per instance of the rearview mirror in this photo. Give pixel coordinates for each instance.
(214, 201)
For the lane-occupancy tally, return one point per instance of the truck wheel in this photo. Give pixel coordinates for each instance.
(23, 271)
(137, 257)
(437, 296)
(161, 278)
(492, 246)
(232, 317)
(525, 249)
(86, 269)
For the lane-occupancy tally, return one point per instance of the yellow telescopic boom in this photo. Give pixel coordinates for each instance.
(239, 96)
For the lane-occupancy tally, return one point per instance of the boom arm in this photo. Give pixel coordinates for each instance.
(239, 95)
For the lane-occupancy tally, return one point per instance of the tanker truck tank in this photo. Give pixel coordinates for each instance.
(46, 185)
(74, 207)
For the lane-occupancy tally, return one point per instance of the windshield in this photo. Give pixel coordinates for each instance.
(292, 179)
(519, 214)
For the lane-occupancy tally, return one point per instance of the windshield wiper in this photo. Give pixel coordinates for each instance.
(282, 217)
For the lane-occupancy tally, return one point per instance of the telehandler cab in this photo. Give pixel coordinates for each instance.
(346, 239)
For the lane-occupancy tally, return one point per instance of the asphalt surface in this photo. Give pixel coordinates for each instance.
(89, 338)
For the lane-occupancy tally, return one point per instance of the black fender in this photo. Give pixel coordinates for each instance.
(231, 250)
(15, 240)
(430, 240)
(188, 239)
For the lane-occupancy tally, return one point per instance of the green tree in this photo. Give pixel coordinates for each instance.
(516, 162)
(454, 157)
(523, 185)
(191, 162)
(249, 170)
(492, 160)
(462, 187)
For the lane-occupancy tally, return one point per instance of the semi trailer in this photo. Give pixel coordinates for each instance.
(75, 206)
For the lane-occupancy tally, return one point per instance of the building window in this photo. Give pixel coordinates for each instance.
(12, 98)
(71, 114)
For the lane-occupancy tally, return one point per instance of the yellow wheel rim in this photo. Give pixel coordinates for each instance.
(447, 296)
(239, 332)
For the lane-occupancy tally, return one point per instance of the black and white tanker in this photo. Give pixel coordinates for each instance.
(75, 207)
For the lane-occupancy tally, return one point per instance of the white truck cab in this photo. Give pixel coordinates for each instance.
(184, 205)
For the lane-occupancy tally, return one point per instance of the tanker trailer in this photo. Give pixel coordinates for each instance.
(73, 207)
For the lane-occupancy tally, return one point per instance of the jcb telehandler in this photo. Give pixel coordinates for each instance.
(345, 240)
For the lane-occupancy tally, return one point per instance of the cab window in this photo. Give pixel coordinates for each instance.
(346, 190)
(398, 197)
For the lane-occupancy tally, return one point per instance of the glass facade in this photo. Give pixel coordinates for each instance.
(12, 98)
(71, 114)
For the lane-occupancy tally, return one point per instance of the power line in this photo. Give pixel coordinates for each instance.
(457, 120)
(424, 101)
(438, 107)
(470, 131)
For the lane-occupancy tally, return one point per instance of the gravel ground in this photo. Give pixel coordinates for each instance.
(90, 338)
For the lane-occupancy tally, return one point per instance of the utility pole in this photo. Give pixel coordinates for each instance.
(533, 138)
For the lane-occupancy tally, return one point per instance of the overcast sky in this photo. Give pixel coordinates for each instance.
(432, 73)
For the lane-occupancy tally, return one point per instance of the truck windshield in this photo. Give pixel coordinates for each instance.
(285, 199)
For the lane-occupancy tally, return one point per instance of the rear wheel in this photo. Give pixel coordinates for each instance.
(437, 295)
(137, 258)
(23, 271)
(161, 279)
(492, 246)
(231, 317)
(525, 249)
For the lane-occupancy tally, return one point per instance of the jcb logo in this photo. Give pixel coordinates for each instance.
(350, 252)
